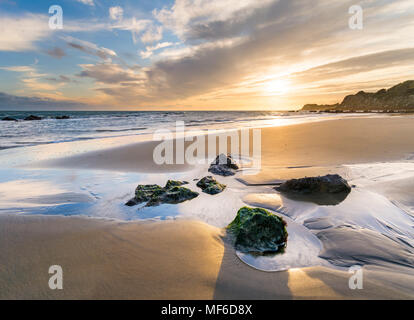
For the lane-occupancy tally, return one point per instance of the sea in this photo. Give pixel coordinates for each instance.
(85, 125)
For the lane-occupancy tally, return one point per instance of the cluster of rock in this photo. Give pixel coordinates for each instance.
(223, 165)
(154, 195)
(34, 118)
(326, 190)
(398, 98)
(173, 192)
(256, 230)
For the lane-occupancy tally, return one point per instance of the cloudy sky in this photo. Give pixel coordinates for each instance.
(199, 54)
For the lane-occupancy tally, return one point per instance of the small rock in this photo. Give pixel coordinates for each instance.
(223, 165)
(258, 231)
(210, 185)
(62, 117)
(8, 119)
(32, 117)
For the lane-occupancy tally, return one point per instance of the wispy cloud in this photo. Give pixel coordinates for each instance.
(109, 73)
(149, 50)
(87, 2)
(90, 48)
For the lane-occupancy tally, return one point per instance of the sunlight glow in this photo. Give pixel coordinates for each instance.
(276, 87)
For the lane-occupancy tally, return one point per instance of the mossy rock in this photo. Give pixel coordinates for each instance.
(258, 231)
(210, 185)
(155, 195)
(174, 183)
(146, 192)
(172, 196)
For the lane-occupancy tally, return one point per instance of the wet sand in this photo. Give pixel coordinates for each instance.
(150, 260)
(325, 143)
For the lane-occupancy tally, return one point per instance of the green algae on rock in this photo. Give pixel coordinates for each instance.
(210, 185)
(155, 195)
(258, 231)
(174, 183)
(172, 196)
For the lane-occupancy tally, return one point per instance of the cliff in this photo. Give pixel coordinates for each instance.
(397, 98)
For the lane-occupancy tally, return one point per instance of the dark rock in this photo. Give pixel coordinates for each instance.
(258, 231)
(62, 117)
(223, 165)
(32, 117)
(154, 195)
(331, 183)
(144, 193)
(132, 202)
(8, 119)
(210, 185)
(327, 190)
(172, 196)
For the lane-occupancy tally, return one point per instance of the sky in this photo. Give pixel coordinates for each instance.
(200, 54)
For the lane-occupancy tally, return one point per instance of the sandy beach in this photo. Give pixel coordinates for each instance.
(152, 260)
(190, 258)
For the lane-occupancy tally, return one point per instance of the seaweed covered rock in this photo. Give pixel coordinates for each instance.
(210, 185)
(155, 195)
(258, 231)
(325, 190)
(223, 165)
(172, 196)
(174, 183)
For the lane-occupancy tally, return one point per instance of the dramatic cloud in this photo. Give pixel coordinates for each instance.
(243, 48)
(234, 53)
(186, 15)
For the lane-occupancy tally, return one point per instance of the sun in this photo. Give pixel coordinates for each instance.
(276, 87)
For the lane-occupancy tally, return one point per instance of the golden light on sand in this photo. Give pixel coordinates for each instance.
(276, 87)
